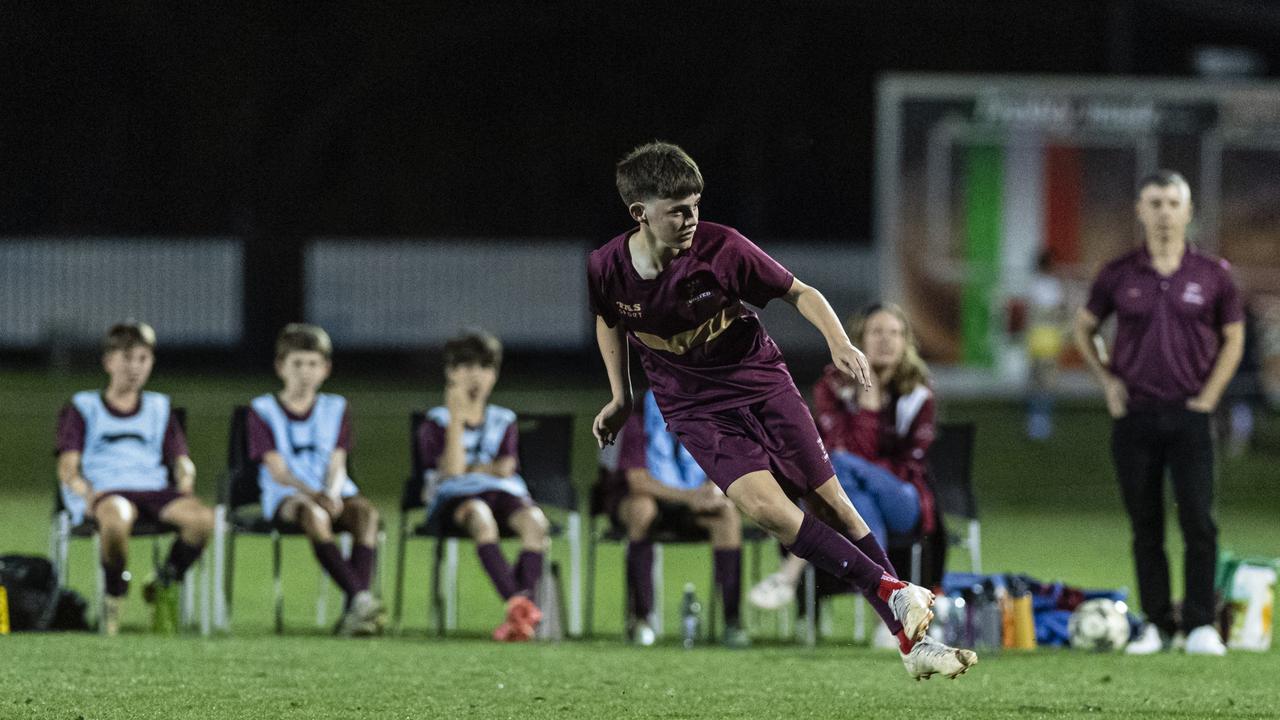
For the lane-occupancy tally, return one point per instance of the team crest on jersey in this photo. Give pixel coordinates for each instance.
(695, 289)
(631, 310)
(1192, 294)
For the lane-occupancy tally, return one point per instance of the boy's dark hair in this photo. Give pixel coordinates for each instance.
(301, 337)
(473, 347)
(657, 170)
(1162, 178)
(128, 335)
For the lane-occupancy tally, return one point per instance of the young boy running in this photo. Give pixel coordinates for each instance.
(674, 288)
(468, 448)
(301, 438)
(117, 450)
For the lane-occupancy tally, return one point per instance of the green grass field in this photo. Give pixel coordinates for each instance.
(1049, 510)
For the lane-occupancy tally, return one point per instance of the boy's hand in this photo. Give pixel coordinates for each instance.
(852, 362)
(610, 420)
(330, 504)
(708, 499)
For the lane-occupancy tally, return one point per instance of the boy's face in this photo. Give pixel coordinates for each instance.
(671, 221)
(476, 379)
(129, 369)
(303, 370)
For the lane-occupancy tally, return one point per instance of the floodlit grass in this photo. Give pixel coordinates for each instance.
(1050, 510)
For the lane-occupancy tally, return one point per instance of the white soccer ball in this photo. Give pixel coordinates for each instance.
(1100, 625)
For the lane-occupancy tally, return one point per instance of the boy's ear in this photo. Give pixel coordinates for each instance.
(637, 212)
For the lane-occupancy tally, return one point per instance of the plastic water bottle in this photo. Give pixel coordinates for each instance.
(690, 616)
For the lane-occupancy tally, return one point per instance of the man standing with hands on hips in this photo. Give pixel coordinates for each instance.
(1179, 337)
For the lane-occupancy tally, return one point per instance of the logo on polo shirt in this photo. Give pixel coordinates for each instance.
(628, 310)
(1192, 294)
(1134, 292)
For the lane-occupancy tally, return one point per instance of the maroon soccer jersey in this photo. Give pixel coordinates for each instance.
(1167, 328)
(700, 346)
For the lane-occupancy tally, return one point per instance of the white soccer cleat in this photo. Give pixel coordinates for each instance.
(1148, 642)
(772, 592)
(910, 605)
(930, 657)
(1205, 640)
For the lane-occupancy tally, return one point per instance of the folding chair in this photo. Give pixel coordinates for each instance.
(610, 480)
(546, 452)
(61, 532)
(950, 464)
(239, 492)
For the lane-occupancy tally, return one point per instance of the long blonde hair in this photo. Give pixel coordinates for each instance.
(912, 371)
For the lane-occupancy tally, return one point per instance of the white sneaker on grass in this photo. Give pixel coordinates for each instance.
(773, 592)
(1148, 642)
(1205, 640)
(929, 657)
(642, 634)
(363, 617)
(910, 605)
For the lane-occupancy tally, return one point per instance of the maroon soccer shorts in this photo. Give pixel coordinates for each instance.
(502, 504)
(776, 434)
(148, 502)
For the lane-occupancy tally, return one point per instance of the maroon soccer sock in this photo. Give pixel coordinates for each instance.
(117, 583)
(362, 562)
(181, 556)
(528, 571)
(728, 564)
(872, 550)
(640, 577)
(830, 551)
(499, 571)
(333, 563)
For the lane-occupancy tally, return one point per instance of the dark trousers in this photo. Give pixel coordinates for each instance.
(1143, 445)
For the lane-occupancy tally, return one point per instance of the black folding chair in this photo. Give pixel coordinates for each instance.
(62, 531)
(610, 481)
(546, 452)
(240, 493)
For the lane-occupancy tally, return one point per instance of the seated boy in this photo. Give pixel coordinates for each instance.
(666, 487)
(117, 451)
(301, 438)
(468, 449)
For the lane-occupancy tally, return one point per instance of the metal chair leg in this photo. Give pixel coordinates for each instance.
(437, 600)
(277, 582)
(575, 574)
(592, 541)
(451, 583)
(402, 544)
(810, 606)
(659, 607)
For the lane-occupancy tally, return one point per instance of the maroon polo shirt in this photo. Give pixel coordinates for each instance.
(1168, 329)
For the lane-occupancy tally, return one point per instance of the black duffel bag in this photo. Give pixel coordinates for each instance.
(35, 600)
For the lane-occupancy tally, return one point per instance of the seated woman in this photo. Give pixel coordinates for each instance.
(877, 439)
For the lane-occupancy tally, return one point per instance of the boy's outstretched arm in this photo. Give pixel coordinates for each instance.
(613, 350)
(815, 308)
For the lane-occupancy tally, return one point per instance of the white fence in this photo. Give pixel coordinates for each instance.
(70, 290)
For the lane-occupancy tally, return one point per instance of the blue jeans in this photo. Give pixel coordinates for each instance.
(887, 503)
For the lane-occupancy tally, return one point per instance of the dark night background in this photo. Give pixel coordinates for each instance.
(276, 122)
